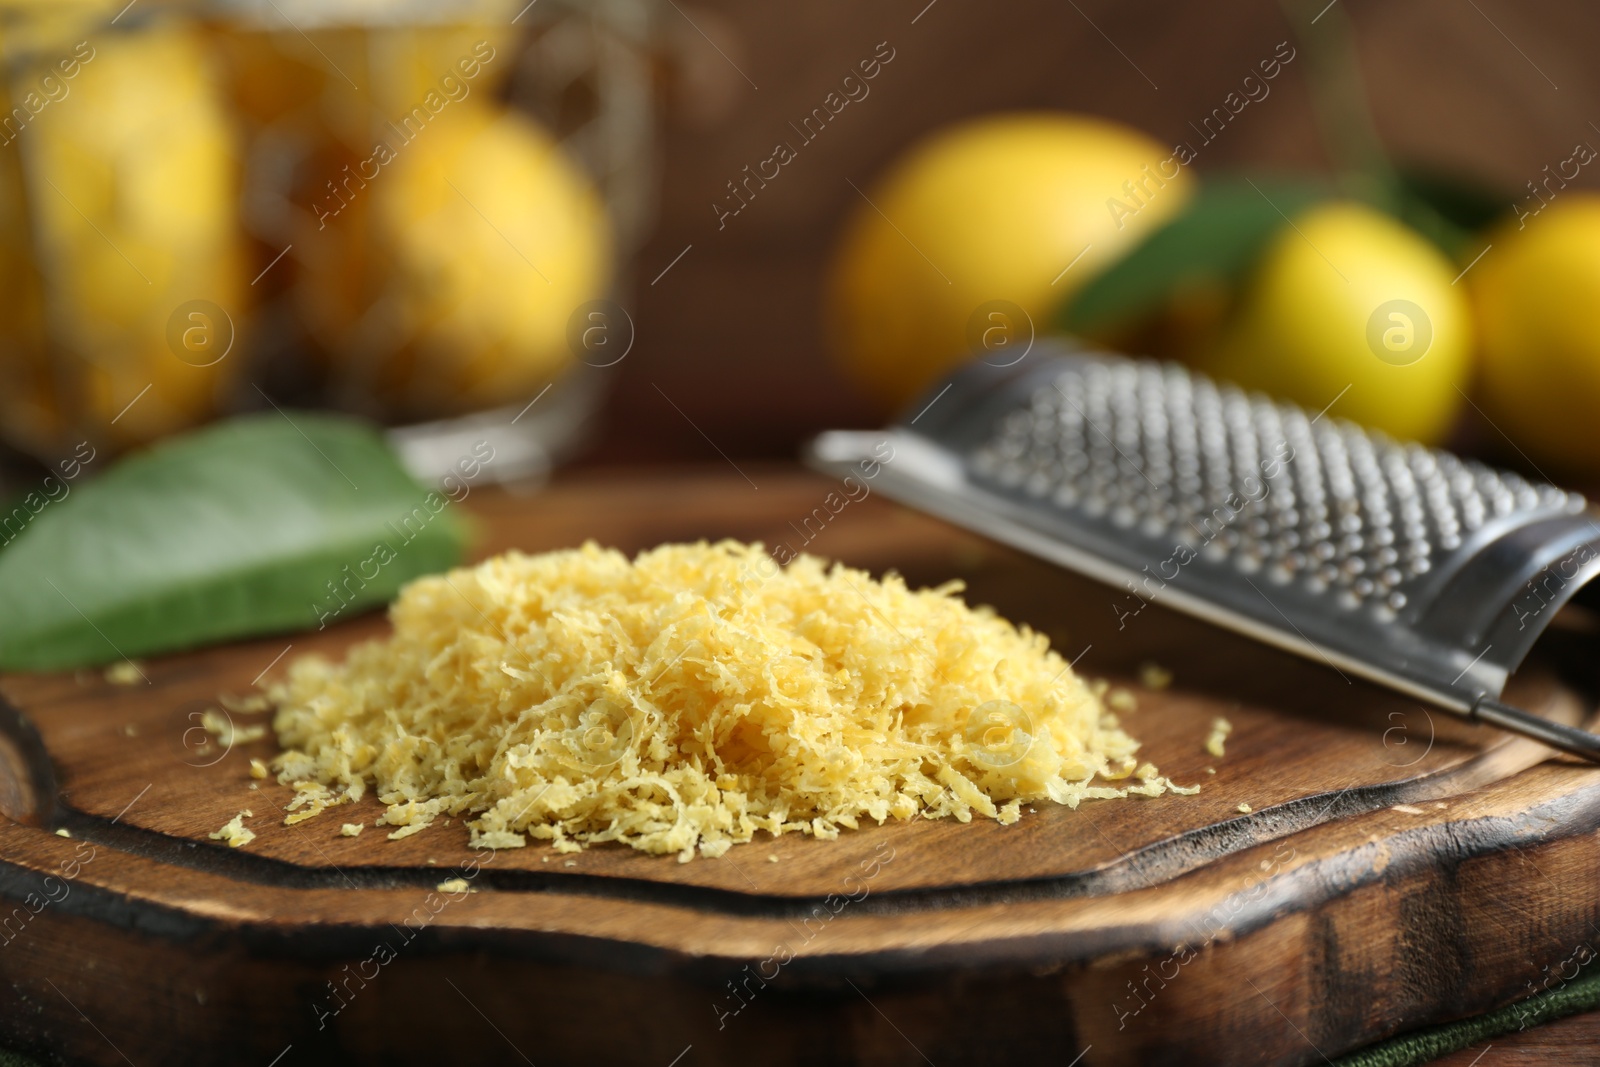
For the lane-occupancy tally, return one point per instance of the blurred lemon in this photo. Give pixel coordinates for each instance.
(128, 192)
(454, 273)
(1350, 303)
(1536, 292)
(980, 221)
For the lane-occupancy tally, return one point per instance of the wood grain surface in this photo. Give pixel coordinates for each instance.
(1566, 1041)
(1394, 867)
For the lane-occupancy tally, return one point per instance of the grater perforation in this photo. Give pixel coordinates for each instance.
(1405, 564)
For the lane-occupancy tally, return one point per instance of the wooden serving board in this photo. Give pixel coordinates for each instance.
(1394, 867)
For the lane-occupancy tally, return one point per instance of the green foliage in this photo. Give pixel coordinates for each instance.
(246, 527)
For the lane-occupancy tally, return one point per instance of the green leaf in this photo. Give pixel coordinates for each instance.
(1214, 239)
(265, 523)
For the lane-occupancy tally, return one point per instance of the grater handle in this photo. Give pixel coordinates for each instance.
(1554, 734)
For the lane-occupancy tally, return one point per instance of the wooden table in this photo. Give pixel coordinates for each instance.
(1394, 867)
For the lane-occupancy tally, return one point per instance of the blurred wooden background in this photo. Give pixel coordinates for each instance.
(731, 332)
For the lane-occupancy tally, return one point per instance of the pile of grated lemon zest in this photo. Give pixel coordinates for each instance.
(689, 699)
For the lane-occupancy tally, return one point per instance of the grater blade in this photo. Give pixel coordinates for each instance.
(1409, 566)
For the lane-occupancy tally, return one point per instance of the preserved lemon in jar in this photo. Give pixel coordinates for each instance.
(447, 282)
(125, 271)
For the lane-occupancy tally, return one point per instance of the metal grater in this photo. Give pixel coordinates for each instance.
(1406, 565)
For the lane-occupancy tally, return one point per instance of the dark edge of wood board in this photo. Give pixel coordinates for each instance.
(1139, 868)
(1167, 860)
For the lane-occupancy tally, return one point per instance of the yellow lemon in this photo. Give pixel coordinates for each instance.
(125, 192)
(450, 281)
(993, 217)
(1348, 303)
(1536, 291)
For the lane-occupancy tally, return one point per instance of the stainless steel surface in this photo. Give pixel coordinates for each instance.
(1554, 734)
(1405, 565)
